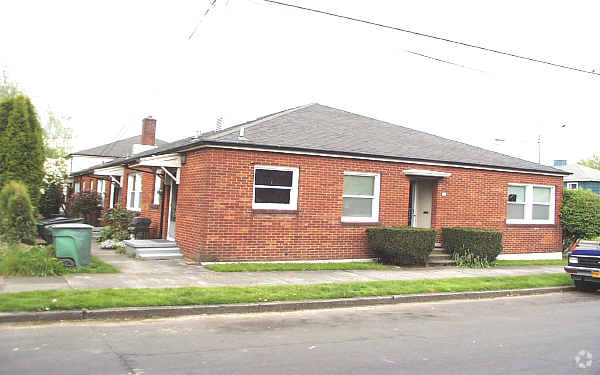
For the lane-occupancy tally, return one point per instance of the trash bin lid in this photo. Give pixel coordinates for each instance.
(71, 226)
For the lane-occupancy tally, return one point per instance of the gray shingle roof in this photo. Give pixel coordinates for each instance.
(319, 128)
(116, 149)
(581, 173)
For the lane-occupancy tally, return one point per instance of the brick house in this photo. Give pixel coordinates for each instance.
(305, 183)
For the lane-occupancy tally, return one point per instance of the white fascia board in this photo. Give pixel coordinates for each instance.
(110, 171)
(426, 173)
(167, 161)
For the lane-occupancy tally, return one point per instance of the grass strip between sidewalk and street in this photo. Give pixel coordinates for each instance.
(264, 267)
(112, 298)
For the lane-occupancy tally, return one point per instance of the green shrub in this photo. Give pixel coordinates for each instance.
(401, 246)
(106, 233)
(16, 214)
(469, 260)
(118, 219)
(52, 200)
(579, 216)
(480, 243)
(37, 261)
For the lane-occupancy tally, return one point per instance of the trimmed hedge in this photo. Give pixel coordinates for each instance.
(482, 243)
(401, 246)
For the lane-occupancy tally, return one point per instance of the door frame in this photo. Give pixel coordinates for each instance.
(171, 190)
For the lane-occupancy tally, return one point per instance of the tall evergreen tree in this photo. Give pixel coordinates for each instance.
(21, 145)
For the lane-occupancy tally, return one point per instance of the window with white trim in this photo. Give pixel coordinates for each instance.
(530, 204)
(134, 191)
(77, 187)
(275, 188)
(157, 187)
(572, 185)
(101, 189)
(361, 197)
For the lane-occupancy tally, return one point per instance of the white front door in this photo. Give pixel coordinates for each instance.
(422, 195)
(172, 211)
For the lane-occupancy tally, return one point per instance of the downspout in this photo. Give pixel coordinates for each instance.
(162, 207)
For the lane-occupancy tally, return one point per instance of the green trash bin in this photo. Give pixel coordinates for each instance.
(73, 243)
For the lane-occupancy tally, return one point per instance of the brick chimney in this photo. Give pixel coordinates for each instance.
(148, 131)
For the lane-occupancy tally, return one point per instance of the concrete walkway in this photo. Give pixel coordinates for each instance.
(176, 273)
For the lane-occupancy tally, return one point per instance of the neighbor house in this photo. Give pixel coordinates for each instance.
(82, 160)
(306, 183)
(581, 177)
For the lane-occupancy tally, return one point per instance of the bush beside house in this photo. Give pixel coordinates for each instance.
(473, 243)
(401, 246)
(579, 216)
(86, 204)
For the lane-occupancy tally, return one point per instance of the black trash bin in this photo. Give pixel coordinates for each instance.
(46, 233)
(139, 227)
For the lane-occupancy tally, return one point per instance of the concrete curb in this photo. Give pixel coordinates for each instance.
(171, 311)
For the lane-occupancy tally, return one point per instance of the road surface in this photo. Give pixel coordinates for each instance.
(518, 335)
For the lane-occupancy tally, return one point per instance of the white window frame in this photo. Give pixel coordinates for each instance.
(101, 189)
(157, 186)
(528, 203)
(572, 183)
(136, 204)
(374, 218)
(77, 187)
(293, 205)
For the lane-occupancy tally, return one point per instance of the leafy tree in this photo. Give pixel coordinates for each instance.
(21, 145)
(57, 137)
(593, 162)
(16, 214)
(53, 198)
(7, 89)
(579, 216)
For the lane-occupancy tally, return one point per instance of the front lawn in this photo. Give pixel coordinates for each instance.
(111, 298)
(263, 267)
(95, 266)
(531, 262)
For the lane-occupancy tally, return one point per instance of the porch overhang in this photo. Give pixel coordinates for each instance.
(110, 171)
(426, 173)
(166, 161)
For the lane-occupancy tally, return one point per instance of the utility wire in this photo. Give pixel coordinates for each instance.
(211, 5)
(442, 60)
(531, 59)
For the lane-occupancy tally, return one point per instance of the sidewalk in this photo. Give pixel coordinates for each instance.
(175, 273)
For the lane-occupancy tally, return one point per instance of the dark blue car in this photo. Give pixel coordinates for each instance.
(584, 267)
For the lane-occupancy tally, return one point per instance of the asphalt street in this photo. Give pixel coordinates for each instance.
(516, 335)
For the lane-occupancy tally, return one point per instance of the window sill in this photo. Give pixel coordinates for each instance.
(360, 223)
(266, 211)
(134, 209)
(154, 206)
(530, 225)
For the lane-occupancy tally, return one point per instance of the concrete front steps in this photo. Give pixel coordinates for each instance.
(440, 257)
(153, 249)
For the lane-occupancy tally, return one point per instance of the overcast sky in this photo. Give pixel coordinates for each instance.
(108, 64)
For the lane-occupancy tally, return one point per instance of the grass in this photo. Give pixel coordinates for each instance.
(531, 262)
(262, 267)
(112, 298)
(95, 266)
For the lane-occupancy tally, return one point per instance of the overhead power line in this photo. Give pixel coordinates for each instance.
(464, 44)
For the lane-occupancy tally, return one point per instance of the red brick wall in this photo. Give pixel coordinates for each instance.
(215, 219)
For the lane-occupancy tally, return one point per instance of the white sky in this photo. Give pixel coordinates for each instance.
(108, 64)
